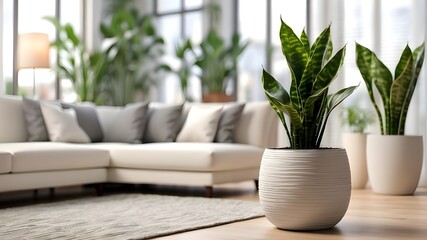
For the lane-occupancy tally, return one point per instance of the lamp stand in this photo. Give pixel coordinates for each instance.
(34, 83)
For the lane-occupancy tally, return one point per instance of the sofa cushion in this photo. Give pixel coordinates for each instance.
(87, 118)
(5, 162)
(36, 127)
(62, 124)
(227, 123)
(48, 156)
(162, 124)
(258, 125)
(123, 124)
(12, 122)
(184, 156)
(201, 124)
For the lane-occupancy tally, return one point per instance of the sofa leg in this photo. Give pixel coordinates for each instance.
(209, 191)
(256, 184)
(99, 189)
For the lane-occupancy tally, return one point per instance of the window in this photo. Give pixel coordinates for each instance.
(178, 20)
(6, 79)
(30, 19)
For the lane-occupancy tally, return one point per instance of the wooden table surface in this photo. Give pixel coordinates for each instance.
(370, 216)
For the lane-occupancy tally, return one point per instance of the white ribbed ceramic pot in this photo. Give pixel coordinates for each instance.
(304, 189)
(355, 146)
(394, 163)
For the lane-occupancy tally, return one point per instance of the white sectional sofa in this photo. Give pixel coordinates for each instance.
(33, 165)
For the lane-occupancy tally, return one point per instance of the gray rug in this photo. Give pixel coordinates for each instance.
(124, 216)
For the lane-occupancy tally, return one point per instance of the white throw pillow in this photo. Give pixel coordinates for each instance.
(201, 124)
(62, 125)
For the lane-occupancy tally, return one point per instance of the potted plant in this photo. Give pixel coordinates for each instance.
(184, 52)
(135, 50)
(85, 69)
(394, 159)
(218, 64)
(357, 119)
(304, 186)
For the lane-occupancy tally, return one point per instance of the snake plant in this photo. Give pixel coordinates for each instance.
(396, 94)
(307, 105)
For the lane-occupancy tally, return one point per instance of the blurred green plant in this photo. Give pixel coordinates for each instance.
(85, 69)
(185, 54)
(356, 118)
(217, 61)
(134, 51)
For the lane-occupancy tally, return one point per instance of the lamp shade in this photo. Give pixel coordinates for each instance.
(33, 50)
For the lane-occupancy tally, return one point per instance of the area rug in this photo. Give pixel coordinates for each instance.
(123, 216)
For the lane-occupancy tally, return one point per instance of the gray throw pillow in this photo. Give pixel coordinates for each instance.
(128, 124)
(36, 128)
(88, 120)
(162, 124)
(227, 123)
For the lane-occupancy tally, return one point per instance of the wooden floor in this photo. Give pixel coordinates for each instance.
(370, 216)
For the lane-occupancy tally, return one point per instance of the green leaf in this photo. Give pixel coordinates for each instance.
(294, 51)
(399, 91)
(324, 79)
(330, 71)
(71, 35)
(364, 61)
(418, 57)
(404, 58)
(305, 42)
(319, 50)
(279, 97)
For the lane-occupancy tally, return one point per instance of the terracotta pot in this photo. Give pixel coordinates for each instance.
(304, 189)
(355, 146)
(216, 97)
(394, 163)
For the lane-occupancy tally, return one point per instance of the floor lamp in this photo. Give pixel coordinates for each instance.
(33, 52)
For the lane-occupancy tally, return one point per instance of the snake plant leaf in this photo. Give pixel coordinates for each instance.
(399, 92)
(418, 56)
(306, 105)
(335, 99)
(404, 58)
(278, 96)
(365, 63)
(324, 79)
(314, 65)
(329, 51)
(396, 95)
(330, 71)
(305, 41)
(293, 50)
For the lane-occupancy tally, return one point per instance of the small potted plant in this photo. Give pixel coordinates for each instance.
(357, 120)
(394, 159)
(218, 64)
(304, 186)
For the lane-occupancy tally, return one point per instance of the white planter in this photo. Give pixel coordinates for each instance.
(304, 189)
(355, 146)
(394, 163)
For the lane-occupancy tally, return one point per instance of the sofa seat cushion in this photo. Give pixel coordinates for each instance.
(49, 156)
(5, 162)
(185, 156)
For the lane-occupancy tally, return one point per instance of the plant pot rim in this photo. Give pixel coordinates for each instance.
(306, 150)
(395, 136)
